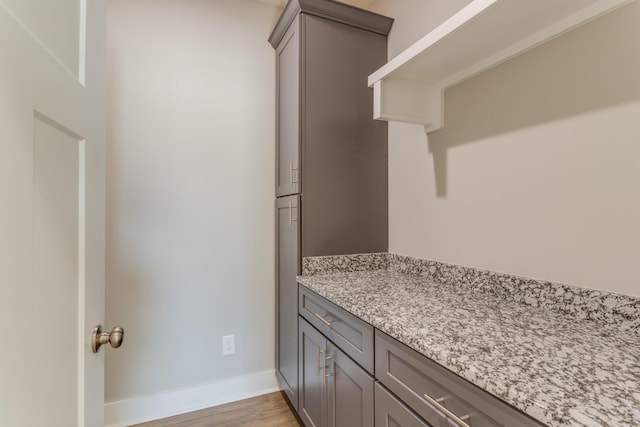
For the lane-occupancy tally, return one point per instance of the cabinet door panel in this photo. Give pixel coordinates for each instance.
(288, 112)
(350, 391)
(312, 352)
(390, 412)
(288, 267)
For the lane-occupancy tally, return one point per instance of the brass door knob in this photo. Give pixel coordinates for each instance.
(99, 338)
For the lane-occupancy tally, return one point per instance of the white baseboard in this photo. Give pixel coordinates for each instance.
(152, 407)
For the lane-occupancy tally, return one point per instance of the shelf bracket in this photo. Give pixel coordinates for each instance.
(408, 101)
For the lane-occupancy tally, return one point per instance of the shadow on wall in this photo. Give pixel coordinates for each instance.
(591, 68)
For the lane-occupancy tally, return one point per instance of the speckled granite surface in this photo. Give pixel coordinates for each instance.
(345, 263)
(620, 310)
(561, 369)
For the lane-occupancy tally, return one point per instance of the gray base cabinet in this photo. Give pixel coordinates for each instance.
(334, 390)
(405, 388)
(437, 395)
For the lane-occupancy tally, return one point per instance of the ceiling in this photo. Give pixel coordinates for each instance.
(364, 4)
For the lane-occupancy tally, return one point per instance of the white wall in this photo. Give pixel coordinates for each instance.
(537, 171)
(190, 193)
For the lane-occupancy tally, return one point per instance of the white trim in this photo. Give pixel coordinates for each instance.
(152, 407)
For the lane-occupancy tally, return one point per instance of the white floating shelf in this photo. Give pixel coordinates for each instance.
(410, 88)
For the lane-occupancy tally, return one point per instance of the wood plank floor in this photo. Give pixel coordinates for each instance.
(268, 410)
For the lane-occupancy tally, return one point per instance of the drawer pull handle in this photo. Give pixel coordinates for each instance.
(437, 405)
(324, 320)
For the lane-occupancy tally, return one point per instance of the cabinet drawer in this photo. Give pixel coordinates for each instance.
(351, 334)
(390, 412)
(438, 395)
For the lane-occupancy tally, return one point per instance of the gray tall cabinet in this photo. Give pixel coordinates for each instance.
(331, 156)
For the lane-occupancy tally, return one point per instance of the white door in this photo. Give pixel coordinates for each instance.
(52, 136)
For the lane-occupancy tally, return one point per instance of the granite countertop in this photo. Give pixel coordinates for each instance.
(559, 369)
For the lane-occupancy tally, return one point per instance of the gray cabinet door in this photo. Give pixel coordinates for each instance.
(288, 112)
(349, 391)
(390, 412)
(312, 353)
(287, 268)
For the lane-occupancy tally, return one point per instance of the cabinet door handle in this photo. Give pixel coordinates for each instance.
(323, 319)
(437, 405)
(324, 369)
(291, 169)
(292, 219)
(318, 367)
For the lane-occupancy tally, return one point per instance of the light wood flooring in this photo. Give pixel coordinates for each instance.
(268, 410)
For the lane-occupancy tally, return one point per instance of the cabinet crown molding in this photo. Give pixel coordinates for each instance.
(332, 10)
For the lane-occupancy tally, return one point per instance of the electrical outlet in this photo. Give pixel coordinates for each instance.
(228, 345)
